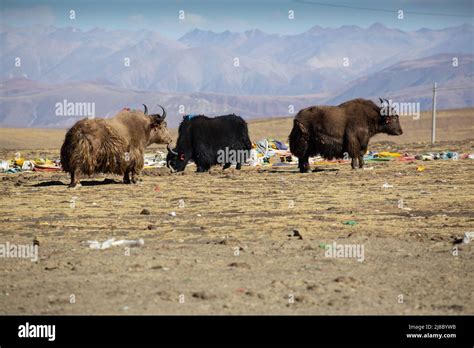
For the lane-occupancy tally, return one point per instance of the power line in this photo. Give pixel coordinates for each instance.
(382, 9)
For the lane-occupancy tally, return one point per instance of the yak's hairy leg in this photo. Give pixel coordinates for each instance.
(303, 164)
(226, 165)
(363, 150)
(353, 148)
(361, 159)
(136, 165)
(238, 166)
(300, 148)
(135, 174)
(354, 162)
(126, 176)
(75, 179)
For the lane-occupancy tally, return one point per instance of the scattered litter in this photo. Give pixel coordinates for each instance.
(265, 152)
(94, 244)
(4, 166)
(154, 160)
(424, 157)
(368, 168)
(378, 159)
(44, 165)
(448, 155)
(18, 164)
(468, 237)
(420, 168)
(350, 222)
(387, 185)
(27, 165)
(271, 152)
(173, 213)
(387, 154)
(130, 243)
(406, 158)
(145, 212)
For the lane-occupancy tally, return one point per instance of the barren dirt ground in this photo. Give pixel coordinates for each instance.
(188, 264)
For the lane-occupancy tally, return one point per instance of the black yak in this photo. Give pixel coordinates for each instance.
(114, 145)
(333, 131)
(209, 141)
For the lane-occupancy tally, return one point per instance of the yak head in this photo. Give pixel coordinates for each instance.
(389, 119)
(159, 133)
(176, 160)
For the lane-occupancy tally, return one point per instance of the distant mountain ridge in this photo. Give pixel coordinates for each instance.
(204, 61)
(253, 73)
(412, 80)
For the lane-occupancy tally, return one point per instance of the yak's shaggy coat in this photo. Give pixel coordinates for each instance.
(201, 138)
(113, 145)
(338, 131)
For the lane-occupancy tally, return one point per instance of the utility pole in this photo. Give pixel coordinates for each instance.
(433, 120)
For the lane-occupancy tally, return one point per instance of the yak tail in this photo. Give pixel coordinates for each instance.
(77, 153)
(299, 139)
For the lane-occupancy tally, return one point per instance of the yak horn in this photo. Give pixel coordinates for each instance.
(164, 112)
(171, 150)
(146, 109)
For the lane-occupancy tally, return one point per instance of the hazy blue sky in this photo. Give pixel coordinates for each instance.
(219, 15)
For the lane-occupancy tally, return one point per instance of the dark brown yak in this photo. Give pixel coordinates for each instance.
(114, 145)
(339, 131)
